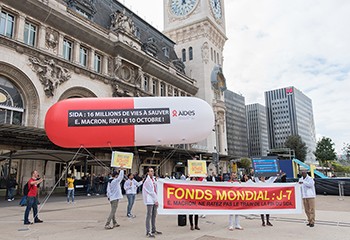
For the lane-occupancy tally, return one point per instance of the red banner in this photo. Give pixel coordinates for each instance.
(224, 198)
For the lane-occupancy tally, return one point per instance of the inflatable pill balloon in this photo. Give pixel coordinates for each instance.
(104, 122)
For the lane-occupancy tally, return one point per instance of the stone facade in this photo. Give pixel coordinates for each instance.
(52, 50)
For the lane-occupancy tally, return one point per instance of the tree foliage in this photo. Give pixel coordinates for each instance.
(340, 168)
(298, 145)
(325, 150)
(245, 163)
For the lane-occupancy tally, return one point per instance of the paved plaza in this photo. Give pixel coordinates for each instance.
(86, 219)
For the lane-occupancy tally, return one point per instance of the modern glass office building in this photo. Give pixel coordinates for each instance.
(258, 141)
(236, 125)
(289, 112)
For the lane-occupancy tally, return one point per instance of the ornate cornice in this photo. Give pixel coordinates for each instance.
(197, 31)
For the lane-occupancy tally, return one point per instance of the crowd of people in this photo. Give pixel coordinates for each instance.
(116, 184)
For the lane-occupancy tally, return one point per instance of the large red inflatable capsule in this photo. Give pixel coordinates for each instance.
(104, 122)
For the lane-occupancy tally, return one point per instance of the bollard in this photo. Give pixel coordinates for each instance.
(341, 190)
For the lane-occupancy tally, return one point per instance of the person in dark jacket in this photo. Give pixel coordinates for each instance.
(11, 187)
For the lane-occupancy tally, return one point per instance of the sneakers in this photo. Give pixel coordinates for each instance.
(88, 194)
(107, 227)
(38, 221)
(269, 224)
(28, 223)
(230, 228)
(197, 228)
(130, 216)
(157, 232)
(150, 235)
(9, 200)
(116, 225)
(239, 228)
(311, 225)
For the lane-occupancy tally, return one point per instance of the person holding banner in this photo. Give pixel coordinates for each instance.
(190, 217)
(308, 193)
(149, 194)
(114, 193)
(262, 180)
(234, 179)
(130, 187)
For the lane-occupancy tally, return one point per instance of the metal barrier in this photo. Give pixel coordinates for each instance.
(341, 190)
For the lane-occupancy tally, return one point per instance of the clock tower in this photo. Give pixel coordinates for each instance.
(198, 29)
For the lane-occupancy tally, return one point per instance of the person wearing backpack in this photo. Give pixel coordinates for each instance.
(32, 200)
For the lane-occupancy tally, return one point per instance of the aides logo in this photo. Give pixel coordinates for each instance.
(183, 113)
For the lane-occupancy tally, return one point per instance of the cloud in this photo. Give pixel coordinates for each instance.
(275, 44)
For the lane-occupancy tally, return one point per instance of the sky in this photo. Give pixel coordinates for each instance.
(274, 44)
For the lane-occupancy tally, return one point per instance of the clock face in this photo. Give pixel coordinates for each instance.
(216, 7)
(182, 7)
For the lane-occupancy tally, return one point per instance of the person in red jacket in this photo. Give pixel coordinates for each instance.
(32, 200)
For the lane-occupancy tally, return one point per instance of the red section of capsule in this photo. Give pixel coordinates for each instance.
(86, 122)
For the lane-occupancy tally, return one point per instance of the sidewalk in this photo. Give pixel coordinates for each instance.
(86, 219)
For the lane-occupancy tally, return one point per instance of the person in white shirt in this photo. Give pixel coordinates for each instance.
(308, 193)
(130, 187)
(114, 193)
(236, 225)
(271, 179)
(183, 177)
(149, 194)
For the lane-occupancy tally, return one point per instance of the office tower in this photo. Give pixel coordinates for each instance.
(289, 112)
(258, 140)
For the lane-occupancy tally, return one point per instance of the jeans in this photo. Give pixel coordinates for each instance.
(151, 218)
(70, 193)
(10, 193)
(32, 202)
(131, 200)
(114, 206)
(88, 189)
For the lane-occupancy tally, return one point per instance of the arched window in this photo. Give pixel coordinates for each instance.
(162, 89)
(11, 103)
(217, 58)
(211, 54)
(214, 56)
(184, 55)
(190, 53)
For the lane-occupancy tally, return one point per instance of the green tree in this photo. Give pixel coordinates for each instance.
(245, 163)
(325, 150)
(298, 145)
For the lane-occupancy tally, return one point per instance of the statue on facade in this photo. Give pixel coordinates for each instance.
(120, 21)
(117, 64)
(115, 90)
(139, 78)
(50, 74)
(205, 52)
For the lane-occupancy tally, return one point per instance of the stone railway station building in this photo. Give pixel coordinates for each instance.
(52, 50)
